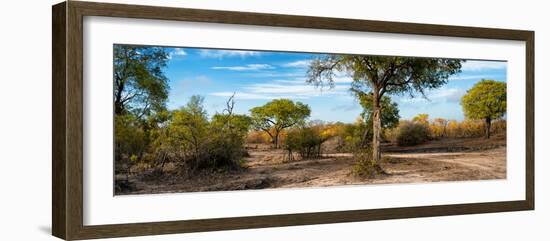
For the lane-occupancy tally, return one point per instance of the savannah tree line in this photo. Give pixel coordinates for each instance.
(148, 135)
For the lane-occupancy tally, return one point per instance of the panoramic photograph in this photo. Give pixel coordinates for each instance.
(200, 119)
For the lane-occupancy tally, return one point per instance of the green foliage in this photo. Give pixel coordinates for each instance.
(378, 75)
(412, 133)
(233, 123)
(364, 166)
(130, 142)
(203, 144)
(278, 115)
(383, 74)
(129, 135)
(389, 110)
(389, 116)
(305, 140)
(487, 99)
(140, 86)
(189, 127)
(352, 136)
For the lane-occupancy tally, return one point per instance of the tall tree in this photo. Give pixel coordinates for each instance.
(380, 75)
(140, 85)
(486, 101)
(278, 115)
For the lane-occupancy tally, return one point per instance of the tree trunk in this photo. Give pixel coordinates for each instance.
(276, 140)
(376, 129)
(488, 128)
(364, 141)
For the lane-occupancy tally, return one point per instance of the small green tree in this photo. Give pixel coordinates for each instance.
(278, 115)
(486, 101)
(188, 129)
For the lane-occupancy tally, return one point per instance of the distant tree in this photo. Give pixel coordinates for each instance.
(278, 115)
(140, 85)
(380, 75)
(389, 114)
(441, 126)
(485, 101)
(422, 119)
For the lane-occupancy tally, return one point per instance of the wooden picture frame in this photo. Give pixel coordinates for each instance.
(67, 123)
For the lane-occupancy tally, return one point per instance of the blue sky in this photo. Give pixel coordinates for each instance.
(256, 77)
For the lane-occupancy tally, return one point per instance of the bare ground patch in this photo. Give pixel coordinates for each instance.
(435, 161)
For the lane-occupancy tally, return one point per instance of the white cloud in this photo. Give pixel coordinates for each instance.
(248, 67)
(212, 53)
(297, 64)
(469, 77)
(443, 94)
(177, 52)
(252, 96)
(477, 65)
(292, 89)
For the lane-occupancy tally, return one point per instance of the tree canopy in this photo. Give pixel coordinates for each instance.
(380, 75)
(389, 114)
(486, 100)
(383, 74)
(277, 115)
(140, 85)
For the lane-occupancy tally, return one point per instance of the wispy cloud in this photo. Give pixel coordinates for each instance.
(251, 96)
(180, 87)
(297, 64)
(293, 89)
(443, 94)
(212, 53)
(477, 65)
(471, 77)
(248, 67)
(346, 107)
(273, 74)
(176, 52)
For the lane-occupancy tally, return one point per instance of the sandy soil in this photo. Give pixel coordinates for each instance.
(443, 160)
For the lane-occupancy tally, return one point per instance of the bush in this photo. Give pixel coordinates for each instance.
(257, 137)
(364, 165)
(412, 133)
(202, 144)
(306, 141)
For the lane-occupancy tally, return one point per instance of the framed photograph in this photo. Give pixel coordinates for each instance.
(171, 120)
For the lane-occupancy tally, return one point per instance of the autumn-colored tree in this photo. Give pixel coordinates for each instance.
(278, 115)
(485, 101)
(422, 119)
(439, 127)
(381, 75)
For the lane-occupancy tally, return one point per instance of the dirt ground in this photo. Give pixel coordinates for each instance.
(441, 160)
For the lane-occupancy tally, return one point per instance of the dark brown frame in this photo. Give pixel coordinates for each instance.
(67, 121)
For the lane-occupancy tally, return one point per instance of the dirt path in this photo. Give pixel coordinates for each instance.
(266, 168)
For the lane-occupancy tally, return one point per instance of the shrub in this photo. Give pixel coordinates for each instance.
(306, 141)
(199, 144)
(412, 133)
(257, 137)
(364, 164)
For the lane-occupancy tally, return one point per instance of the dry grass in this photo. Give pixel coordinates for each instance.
(435, 161)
